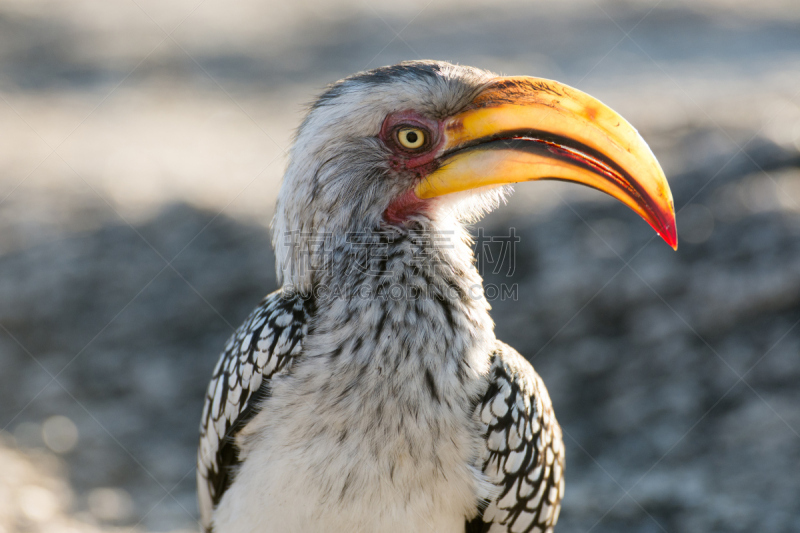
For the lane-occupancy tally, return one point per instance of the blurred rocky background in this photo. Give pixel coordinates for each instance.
(141, 147)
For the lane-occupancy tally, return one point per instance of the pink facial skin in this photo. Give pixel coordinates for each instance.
(420, 162)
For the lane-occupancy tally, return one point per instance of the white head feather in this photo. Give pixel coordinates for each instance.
(339, 180)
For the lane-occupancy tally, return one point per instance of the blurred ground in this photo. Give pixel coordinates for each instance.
(140, 153)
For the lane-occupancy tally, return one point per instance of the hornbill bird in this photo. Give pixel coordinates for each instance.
(369, 394)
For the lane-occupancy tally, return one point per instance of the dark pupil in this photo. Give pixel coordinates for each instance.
(411, 137)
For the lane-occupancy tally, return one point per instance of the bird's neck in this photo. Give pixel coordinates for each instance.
(404, 302)
(394, 362)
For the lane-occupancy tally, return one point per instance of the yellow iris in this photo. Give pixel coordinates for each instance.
(411, 138)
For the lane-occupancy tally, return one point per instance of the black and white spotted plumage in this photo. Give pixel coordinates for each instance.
(524, 452)
(263, 346)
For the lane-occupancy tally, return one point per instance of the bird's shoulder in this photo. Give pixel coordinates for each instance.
(270, 338)
(524, 451)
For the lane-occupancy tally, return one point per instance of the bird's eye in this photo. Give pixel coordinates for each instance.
(411, 138)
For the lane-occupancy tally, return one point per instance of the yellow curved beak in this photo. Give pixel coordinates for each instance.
(524, 129)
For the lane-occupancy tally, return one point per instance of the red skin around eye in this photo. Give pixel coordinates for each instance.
(420, 164)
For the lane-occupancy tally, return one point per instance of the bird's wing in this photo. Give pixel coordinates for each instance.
(524, 453)
(262, 347)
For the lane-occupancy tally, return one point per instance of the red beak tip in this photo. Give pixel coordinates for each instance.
(670, 236)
